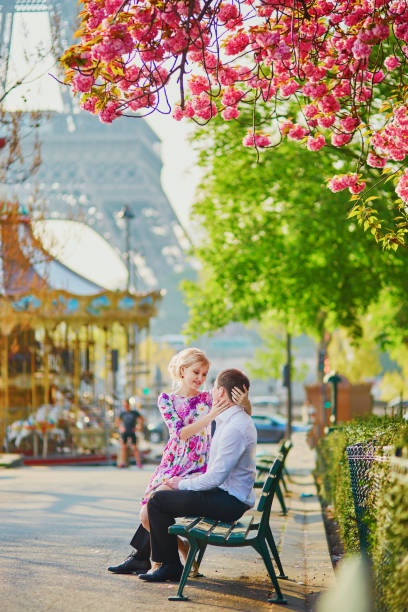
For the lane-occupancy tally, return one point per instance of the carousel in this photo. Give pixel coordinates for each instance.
(66, 343)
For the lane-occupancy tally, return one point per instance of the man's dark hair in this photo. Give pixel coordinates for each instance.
(232, 378)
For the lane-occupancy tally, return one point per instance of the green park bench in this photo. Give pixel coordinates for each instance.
(263, 465)
(250, 530)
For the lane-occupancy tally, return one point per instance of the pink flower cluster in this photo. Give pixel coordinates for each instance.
(258, 139)
(343, 181)
(402, 187)
(322, 54)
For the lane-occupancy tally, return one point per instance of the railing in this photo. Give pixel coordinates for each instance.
(367, 467)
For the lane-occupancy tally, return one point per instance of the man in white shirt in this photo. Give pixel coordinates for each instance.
(223, 493)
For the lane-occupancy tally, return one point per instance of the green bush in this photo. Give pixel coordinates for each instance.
(390, 543)
(386, 511)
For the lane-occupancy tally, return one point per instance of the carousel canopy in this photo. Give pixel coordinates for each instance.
(84, 252)
(39, 289)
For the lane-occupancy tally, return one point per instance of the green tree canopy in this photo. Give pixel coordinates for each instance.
(274, 239)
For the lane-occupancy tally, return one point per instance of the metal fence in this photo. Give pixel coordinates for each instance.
(367, 467)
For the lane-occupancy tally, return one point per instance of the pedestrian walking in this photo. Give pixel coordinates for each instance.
(129, 421)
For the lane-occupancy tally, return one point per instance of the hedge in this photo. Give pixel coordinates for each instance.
(386, 510)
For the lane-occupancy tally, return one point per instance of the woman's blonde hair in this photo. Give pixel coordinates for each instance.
(185, 359)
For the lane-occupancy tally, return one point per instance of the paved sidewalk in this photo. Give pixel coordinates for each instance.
(61, 527)
(303, 547)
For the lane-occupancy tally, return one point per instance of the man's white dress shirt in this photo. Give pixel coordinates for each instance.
(231, 465)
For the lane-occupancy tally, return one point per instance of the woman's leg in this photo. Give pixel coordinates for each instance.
(144, 519)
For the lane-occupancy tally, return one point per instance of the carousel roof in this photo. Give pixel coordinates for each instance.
(81, 251)
(39, 289)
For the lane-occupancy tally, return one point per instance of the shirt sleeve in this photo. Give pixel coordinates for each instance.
(169, 415)
(230, 447)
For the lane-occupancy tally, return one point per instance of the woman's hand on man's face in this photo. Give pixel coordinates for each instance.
(219, 405)
(240, 397)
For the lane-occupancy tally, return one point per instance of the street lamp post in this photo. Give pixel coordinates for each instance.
(127, 215)
(334, 379)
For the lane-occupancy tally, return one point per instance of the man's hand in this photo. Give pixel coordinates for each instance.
(173, 483)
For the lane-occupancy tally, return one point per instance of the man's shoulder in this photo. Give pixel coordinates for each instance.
(242, 422)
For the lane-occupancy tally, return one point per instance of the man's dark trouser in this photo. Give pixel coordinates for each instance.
(141, 541)
(164, 506)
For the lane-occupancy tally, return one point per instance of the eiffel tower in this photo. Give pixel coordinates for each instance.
(93, 170)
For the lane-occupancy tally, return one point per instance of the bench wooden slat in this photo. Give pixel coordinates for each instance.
(240, 530)
(220, 533)
(183, 525)
(203, 528)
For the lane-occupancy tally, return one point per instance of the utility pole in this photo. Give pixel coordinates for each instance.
(127, 215)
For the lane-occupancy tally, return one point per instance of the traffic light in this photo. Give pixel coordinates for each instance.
(146, 391)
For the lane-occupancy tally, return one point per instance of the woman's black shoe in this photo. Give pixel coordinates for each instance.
(131, 565)
(167, 571)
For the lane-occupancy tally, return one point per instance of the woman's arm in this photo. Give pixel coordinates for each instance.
(191, 430)
(241, 399)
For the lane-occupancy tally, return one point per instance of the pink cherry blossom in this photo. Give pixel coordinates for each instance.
(82, 83)
(316, 143)
(326, 121)
(259, 139)
(339, 140)
(375, 161)
(402, 187)
(323, 55)
(391, 62)
(297, 132)
(288, 88)
(230, 113)
(109, 113)
(349, 124)
(198, 84)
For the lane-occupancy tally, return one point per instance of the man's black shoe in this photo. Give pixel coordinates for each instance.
(131, 565)
(167, 571)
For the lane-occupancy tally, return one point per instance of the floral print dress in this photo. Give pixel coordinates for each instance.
(182, 457)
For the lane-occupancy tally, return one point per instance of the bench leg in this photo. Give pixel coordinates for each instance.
(262, 549)
(283, 481)
(271, 541)
(189, 562)
(281, 500)
(202, 546)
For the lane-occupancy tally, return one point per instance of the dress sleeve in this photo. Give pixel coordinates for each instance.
(169, 415)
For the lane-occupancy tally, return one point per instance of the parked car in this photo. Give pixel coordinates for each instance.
(396, 405)
(265, 401)
(273, 428)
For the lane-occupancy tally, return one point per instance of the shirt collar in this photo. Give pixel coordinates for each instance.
(227, 414)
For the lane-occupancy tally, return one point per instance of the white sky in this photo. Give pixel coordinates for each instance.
(180, 174)
(41, 92)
